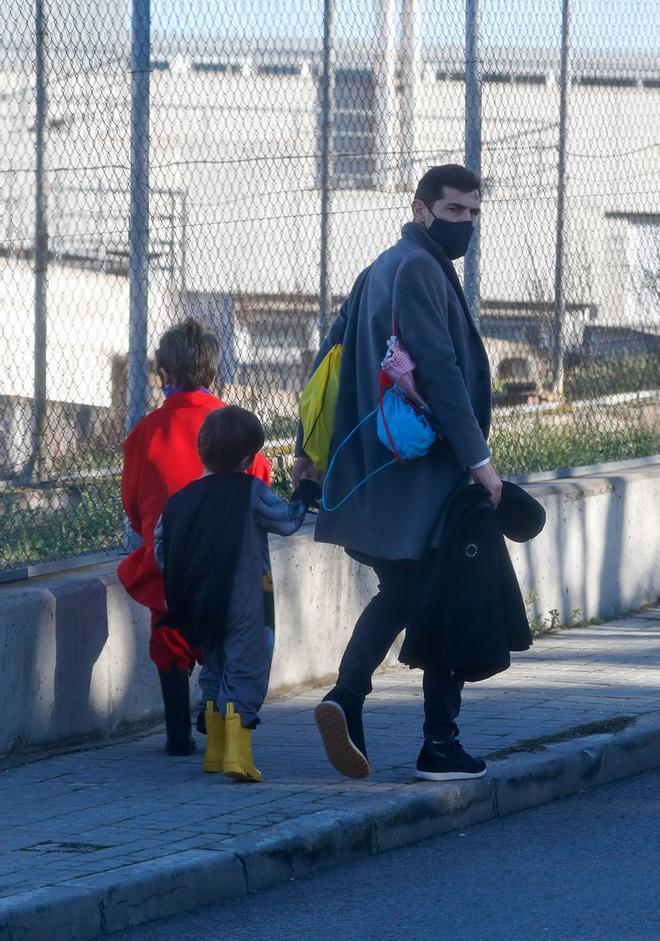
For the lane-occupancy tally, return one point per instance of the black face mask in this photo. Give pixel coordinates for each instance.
(452, 237)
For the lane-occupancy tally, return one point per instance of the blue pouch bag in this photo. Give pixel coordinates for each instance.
(402, 426)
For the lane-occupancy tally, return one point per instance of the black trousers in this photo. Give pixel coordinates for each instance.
(379, 625)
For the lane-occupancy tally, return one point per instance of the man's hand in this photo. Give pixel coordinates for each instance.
(304, 467)
(488, 479)
(307, 492)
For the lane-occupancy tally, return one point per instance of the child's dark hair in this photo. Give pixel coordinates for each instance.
(189, 353)
(227, 437)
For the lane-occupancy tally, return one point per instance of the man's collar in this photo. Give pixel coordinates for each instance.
(418, 234)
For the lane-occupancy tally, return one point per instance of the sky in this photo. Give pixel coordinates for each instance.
(606, 25)
(600, 25)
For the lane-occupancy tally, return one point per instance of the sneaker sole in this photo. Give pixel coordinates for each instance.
(449, 775)
(340, 750)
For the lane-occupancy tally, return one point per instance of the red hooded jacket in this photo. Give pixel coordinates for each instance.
(161, 457)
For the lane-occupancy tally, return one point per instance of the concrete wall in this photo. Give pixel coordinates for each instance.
(600, 549)
(73, 659)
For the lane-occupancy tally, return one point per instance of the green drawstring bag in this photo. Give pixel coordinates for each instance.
(317, 408)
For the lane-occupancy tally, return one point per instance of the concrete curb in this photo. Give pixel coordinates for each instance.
(90, 907)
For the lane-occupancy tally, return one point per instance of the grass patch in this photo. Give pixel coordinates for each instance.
(89, 518)
(541, 624)
(542, 446)
(281, 482)
(79, 518)
(595, 378)
(281, 426)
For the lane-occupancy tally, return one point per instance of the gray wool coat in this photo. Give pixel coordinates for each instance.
(398, 513)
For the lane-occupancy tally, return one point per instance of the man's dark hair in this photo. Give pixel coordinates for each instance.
(431, 186)
(227, 437)
(189, 353)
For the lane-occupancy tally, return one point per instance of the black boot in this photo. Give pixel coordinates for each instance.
(339, 720)
(176, 698)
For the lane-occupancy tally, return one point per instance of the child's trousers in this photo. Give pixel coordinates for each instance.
(238, 670)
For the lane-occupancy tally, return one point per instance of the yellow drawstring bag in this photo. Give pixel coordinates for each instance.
(317, 408)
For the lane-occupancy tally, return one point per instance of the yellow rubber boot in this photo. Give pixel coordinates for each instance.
(239, 763)
(214, 758)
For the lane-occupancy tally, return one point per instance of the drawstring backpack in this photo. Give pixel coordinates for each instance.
(317, 408)
(402, 422)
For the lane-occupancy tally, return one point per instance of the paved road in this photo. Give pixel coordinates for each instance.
(581, 869)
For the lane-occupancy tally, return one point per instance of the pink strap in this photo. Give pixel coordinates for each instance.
(404, 261)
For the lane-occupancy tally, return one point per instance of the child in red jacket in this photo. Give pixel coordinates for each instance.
(161, 457)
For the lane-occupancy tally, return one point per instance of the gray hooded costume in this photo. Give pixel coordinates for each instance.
(398, 513)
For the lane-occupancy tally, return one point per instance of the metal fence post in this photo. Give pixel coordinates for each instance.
(35, 463)
(559, 320)
(327, 165)
(137, 365)
(473, 62)
(411, 66)
(384, 62)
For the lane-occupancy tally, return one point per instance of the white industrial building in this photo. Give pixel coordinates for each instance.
(235, 208)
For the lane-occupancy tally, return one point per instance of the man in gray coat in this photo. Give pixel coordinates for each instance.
(395, 516)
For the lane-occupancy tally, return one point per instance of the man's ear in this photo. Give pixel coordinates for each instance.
(419, 211)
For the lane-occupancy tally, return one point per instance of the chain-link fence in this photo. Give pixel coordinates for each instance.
(284, 144)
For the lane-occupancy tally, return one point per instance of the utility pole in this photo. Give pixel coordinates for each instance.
(473, 64)
(559, 319)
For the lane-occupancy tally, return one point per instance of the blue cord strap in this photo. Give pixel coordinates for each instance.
(324, 502)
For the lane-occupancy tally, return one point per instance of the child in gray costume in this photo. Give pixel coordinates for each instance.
(212, 543)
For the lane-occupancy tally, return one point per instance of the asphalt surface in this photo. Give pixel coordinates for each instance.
(586, 868)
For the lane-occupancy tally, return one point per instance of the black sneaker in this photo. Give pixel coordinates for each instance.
(339, 720)
(447, 761)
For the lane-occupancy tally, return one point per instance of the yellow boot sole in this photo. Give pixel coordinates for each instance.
(237, 773)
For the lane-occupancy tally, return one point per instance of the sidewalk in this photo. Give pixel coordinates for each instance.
(117, 834)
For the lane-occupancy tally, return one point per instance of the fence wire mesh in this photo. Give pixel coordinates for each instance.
(241, 224)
